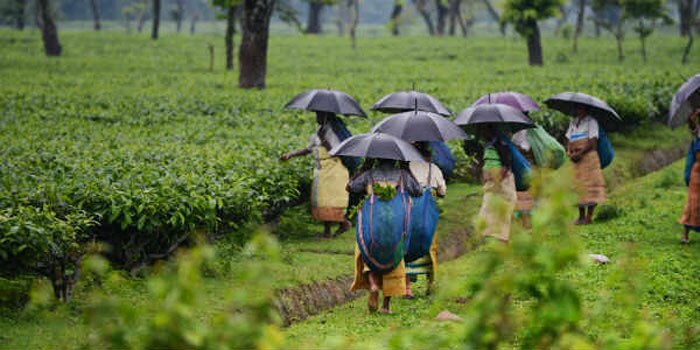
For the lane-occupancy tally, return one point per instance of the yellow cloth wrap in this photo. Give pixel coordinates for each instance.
(328, 196)
(431, 259)
(588, 176)
(392, 283)
(498, 203)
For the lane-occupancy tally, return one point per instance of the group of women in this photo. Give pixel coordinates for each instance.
(339, 183)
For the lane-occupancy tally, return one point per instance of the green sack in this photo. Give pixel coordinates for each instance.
(547, 150)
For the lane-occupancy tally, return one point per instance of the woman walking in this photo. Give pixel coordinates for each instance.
(525, 202)
(581, 148)
(329, 199)
(385, 176)
(691, 213)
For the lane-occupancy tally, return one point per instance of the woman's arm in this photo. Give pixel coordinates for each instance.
(298, 153)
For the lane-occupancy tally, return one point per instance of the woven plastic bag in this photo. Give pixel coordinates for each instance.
(547, 150)
(381, 231)
(424, 219)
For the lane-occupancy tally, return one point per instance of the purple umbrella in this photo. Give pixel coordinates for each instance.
(684, 102)
(521, 102)
(377, 145)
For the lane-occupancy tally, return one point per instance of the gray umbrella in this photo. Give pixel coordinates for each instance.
(377, 145)
(504, 116)
(404, 101)
(420, 126)
(684, 102)
(567, 102)
(322, 100)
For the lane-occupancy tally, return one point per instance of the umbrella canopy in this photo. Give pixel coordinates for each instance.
(420, 126)
(404, 101)
(521, 102)
(684, 102)
(567, 102)
(377, 145)
(498, 114)
(323, 100)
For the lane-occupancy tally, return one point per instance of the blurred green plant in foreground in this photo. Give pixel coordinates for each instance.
(250, 321)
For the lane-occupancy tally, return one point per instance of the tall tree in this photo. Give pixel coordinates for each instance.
(193, 22)
(442, 10)
(609, 15)
(579, 22)
(645, 14)
(178, 14)
(456, 17)
(496, 17)
(49, 32)
(524, 14)
(230, 9)
(685, 14)
(18, 13)
(156, 19)
(95, 14)
(394, 19)
(422, 8)
(253, 49)
(314, 24)
(354, 20)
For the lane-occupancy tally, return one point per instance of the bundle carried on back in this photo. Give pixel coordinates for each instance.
(382, 227)
(424, 219)
(548, 152)
(605, 149)
(521, 166)
(442, 156)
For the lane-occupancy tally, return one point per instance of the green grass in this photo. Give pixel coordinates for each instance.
(643, 240)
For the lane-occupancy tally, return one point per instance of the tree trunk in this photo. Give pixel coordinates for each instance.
(95, 14)
(685, 16)
(180, 14)
(193, 23)
(596, 27)
(563, 17)
(688, 46)
(496, 17)
(534, 44)
(456, 16)
(579, 22)
(253, 50)
(620, 52)
(420, 7)
(49, 33)
(156, 19)
(441, 16)
(354, 20)
(20, 12)
(393, 21)
(230, 32)
(642, 38)
(142, 21)
(313, 23)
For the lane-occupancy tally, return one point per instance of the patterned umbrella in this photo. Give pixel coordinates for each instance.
(684, 102)
(404, 101)
(420, 126)
(322, 100)
(521, 102)
(377, 145)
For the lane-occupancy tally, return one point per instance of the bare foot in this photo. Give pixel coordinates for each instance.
(344, 226)
(373, 302)
(385, 311)
(580, 222)
(685, 240)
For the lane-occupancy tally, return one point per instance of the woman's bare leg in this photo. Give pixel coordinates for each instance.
(373, 282)
(409, 293)
(385, 306)
(589, 217)
(685, 239)
(581, 215)
(326, 229)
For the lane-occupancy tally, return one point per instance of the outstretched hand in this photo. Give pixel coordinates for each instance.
(285, 157)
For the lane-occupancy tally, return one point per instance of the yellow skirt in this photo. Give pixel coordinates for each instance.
(392, 283)
(498, 193)
(588, 176)
(328, 196)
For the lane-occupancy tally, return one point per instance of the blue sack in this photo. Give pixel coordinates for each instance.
(424, 219)
(606, 153)
(381, 231)
(442, 157)
(521, 166)
(340, 130)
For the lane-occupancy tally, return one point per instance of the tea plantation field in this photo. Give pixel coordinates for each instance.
(137, 144)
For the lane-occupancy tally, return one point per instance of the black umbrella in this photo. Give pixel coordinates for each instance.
(377, 145)
(498, 114)
(684, 102)
(420, 126)
(322, 100)
(404, 101)
(567, 102)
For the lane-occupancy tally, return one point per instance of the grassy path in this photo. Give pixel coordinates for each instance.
(638, 231)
